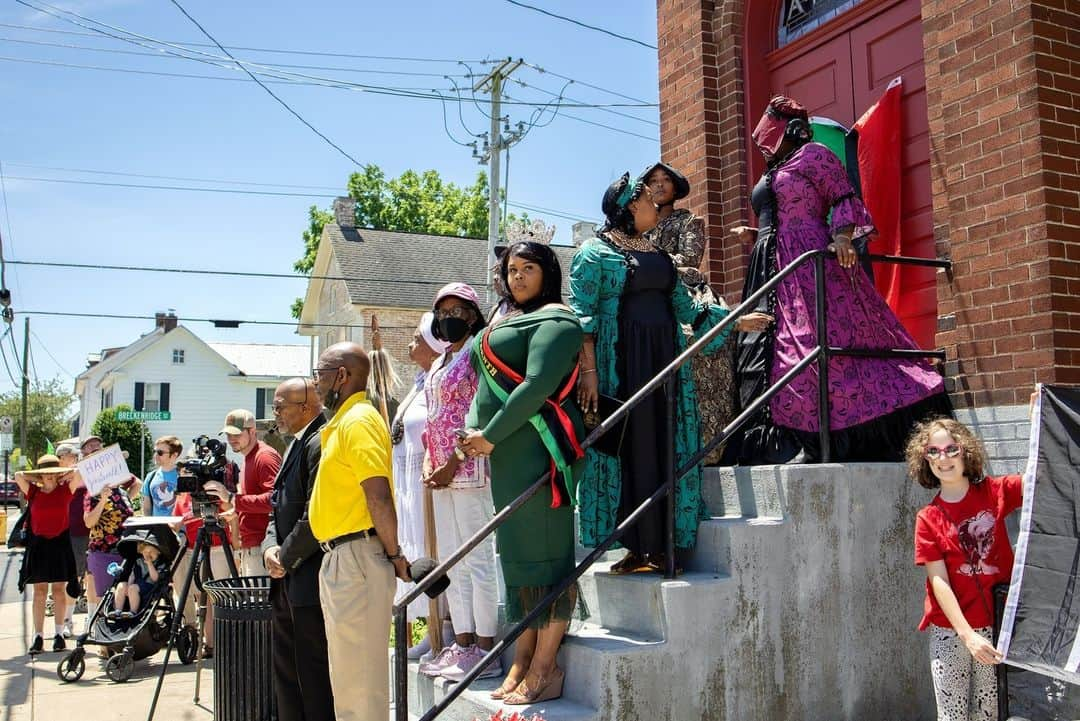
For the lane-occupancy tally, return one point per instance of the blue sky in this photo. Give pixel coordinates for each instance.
(63, 117)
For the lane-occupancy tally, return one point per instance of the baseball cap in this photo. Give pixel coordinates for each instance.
(236, 421)
(88, 439)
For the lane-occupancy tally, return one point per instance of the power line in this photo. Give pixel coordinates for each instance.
(597, 124)
(236, 191)
(545, 71)
(3, 355)
(58, 365)
(227, 273)
(10, 240)
(216, 321)
(396, 58)
(268, 90)
(119, 51)
(173, 177)
(581, 24)
(523, 84)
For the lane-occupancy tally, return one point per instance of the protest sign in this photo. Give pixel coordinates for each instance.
(107, 467)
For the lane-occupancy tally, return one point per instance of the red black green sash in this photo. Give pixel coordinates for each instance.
(551, 422)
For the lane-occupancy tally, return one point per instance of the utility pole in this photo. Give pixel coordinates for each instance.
(496, 142)
(25, 384)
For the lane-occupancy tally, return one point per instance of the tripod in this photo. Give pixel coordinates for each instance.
(200, 554)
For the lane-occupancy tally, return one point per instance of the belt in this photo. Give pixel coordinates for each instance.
(335, 542)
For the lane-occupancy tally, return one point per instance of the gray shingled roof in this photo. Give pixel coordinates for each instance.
(377, 261)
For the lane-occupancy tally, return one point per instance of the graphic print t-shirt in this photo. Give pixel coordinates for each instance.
(161, 490)
(974, 543)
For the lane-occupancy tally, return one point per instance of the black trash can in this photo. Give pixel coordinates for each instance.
(243, 682)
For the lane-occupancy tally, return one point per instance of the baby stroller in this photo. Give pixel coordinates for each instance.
(133, 637)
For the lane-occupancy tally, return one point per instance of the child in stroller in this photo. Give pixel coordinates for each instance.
(148, 546)
(149, 571)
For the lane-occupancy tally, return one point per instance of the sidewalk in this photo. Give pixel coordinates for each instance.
(31, 691)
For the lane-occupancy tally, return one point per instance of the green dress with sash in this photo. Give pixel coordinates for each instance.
(536, 544)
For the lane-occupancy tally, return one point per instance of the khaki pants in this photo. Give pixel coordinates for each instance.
(219, 567)
(356, 589)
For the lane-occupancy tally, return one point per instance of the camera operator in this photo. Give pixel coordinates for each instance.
(252, 498)
(192, 521)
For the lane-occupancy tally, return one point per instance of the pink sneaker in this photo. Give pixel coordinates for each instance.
(466, 661)
(446, 658)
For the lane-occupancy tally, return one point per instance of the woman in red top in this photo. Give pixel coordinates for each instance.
(49, 559)
(960, 538)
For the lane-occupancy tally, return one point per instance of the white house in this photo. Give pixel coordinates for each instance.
(172, 369)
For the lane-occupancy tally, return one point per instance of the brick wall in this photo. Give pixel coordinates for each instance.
(1003, 103)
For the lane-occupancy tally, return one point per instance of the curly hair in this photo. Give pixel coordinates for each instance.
(542, 255)
(919, 468)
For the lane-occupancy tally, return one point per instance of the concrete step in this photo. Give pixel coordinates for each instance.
(742, 490)
(476, 702)
(712, 554)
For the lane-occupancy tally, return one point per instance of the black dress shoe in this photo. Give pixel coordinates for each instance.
(37, 646)
(58, 643)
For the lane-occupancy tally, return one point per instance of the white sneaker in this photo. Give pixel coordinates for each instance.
(466, 661)
(67, 632)
(446, 658)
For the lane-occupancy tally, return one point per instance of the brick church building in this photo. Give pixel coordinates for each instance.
(990, 147)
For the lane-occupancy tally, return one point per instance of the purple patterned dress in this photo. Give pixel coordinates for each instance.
(807, 186)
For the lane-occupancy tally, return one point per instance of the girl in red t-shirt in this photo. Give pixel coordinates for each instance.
(960, 539)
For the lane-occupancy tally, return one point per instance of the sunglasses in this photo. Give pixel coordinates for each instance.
(318, 369)
(934, 453)
(159, 452)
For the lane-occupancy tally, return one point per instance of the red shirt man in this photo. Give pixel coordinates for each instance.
(252, 498)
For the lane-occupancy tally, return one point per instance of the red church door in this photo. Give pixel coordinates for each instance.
(839, 70)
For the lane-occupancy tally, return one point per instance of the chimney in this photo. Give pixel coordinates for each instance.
(583, 230)
(345, 212)
(166, 320)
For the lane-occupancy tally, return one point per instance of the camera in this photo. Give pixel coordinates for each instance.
(208, 464)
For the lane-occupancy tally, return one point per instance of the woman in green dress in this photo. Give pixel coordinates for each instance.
(632, 306)
(524, 418)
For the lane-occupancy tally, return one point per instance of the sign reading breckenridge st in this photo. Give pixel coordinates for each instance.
(144, 415)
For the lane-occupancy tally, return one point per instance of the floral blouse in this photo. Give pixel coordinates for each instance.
(682, 236)
(449, 390)
(106, 534)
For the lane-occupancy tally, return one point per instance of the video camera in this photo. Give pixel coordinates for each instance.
(209, 464)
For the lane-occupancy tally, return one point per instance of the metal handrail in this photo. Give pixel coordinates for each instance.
(820, 355)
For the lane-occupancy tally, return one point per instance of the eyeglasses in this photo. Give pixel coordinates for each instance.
(934, 453)
(459, 311)
(317, 370)
(159, 452)
(276, 407)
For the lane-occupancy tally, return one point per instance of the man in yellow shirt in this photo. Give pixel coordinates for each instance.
(352, 516)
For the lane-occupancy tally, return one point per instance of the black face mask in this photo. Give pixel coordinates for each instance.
(453, 329)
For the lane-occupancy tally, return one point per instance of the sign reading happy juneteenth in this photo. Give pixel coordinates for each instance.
(107, 467)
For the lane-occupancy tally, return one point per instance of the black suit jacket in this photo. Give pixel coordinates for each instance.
(289, 527)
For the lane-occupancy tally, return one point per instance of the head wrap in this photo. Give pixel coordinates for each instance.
(436, 345)
(682, 185)
(619, 195)
(769, 135)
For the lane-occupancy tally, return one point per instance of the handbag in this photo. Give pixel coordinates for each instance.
(20, 530)
(611, 442)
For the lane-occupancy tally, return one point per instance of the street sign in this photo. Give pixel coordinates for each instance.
(7, 441)
(7, 424)
(144, 415)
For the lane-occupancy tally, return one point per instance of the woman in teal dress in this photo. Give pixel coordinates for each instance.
(527, 423)
(631, 303)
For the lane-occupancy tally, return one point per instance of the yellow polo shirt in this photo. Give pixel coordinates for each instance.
(355, 447)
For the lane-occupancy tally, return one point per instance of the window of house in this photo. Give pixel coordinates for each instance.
(799, 17)
(106, 399)
(178, 356)
(151, 396)
(264, 400)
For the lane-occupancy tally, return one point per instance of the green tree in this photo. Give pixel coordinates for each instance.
(412, 203)
(48, 405)
(133, 436)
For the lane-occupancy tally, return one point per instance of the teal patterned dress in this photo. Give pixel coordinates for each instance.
(598, 276)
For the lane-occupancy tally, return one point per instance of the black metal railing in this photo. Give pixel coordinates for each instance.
(666, 377)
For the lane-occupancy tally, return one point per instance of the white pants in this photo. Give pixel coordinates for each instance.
(249, 562)
(965, 689)
(473, 595)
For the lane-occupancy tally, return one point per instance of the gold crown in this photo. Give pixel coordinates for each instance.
(520, 232)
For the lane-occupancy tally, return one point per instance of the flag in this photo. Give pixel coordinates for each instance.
(1040, 630)
(879, 169)
(49, 447)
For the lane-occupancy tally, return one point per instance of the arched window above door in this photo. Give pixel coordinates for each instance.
(799, 17)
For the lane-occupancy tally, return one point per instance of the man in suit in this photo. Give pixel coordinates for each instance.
(292, 557)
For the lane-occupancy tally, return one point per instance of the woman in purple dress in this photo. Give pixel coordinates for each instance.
(804, 201)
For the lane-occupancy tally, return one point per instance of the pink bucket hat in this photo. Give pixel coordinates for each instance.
(464, 291)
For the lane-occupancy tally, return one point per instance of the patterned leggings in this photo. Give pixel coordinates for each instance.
(965, 689)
